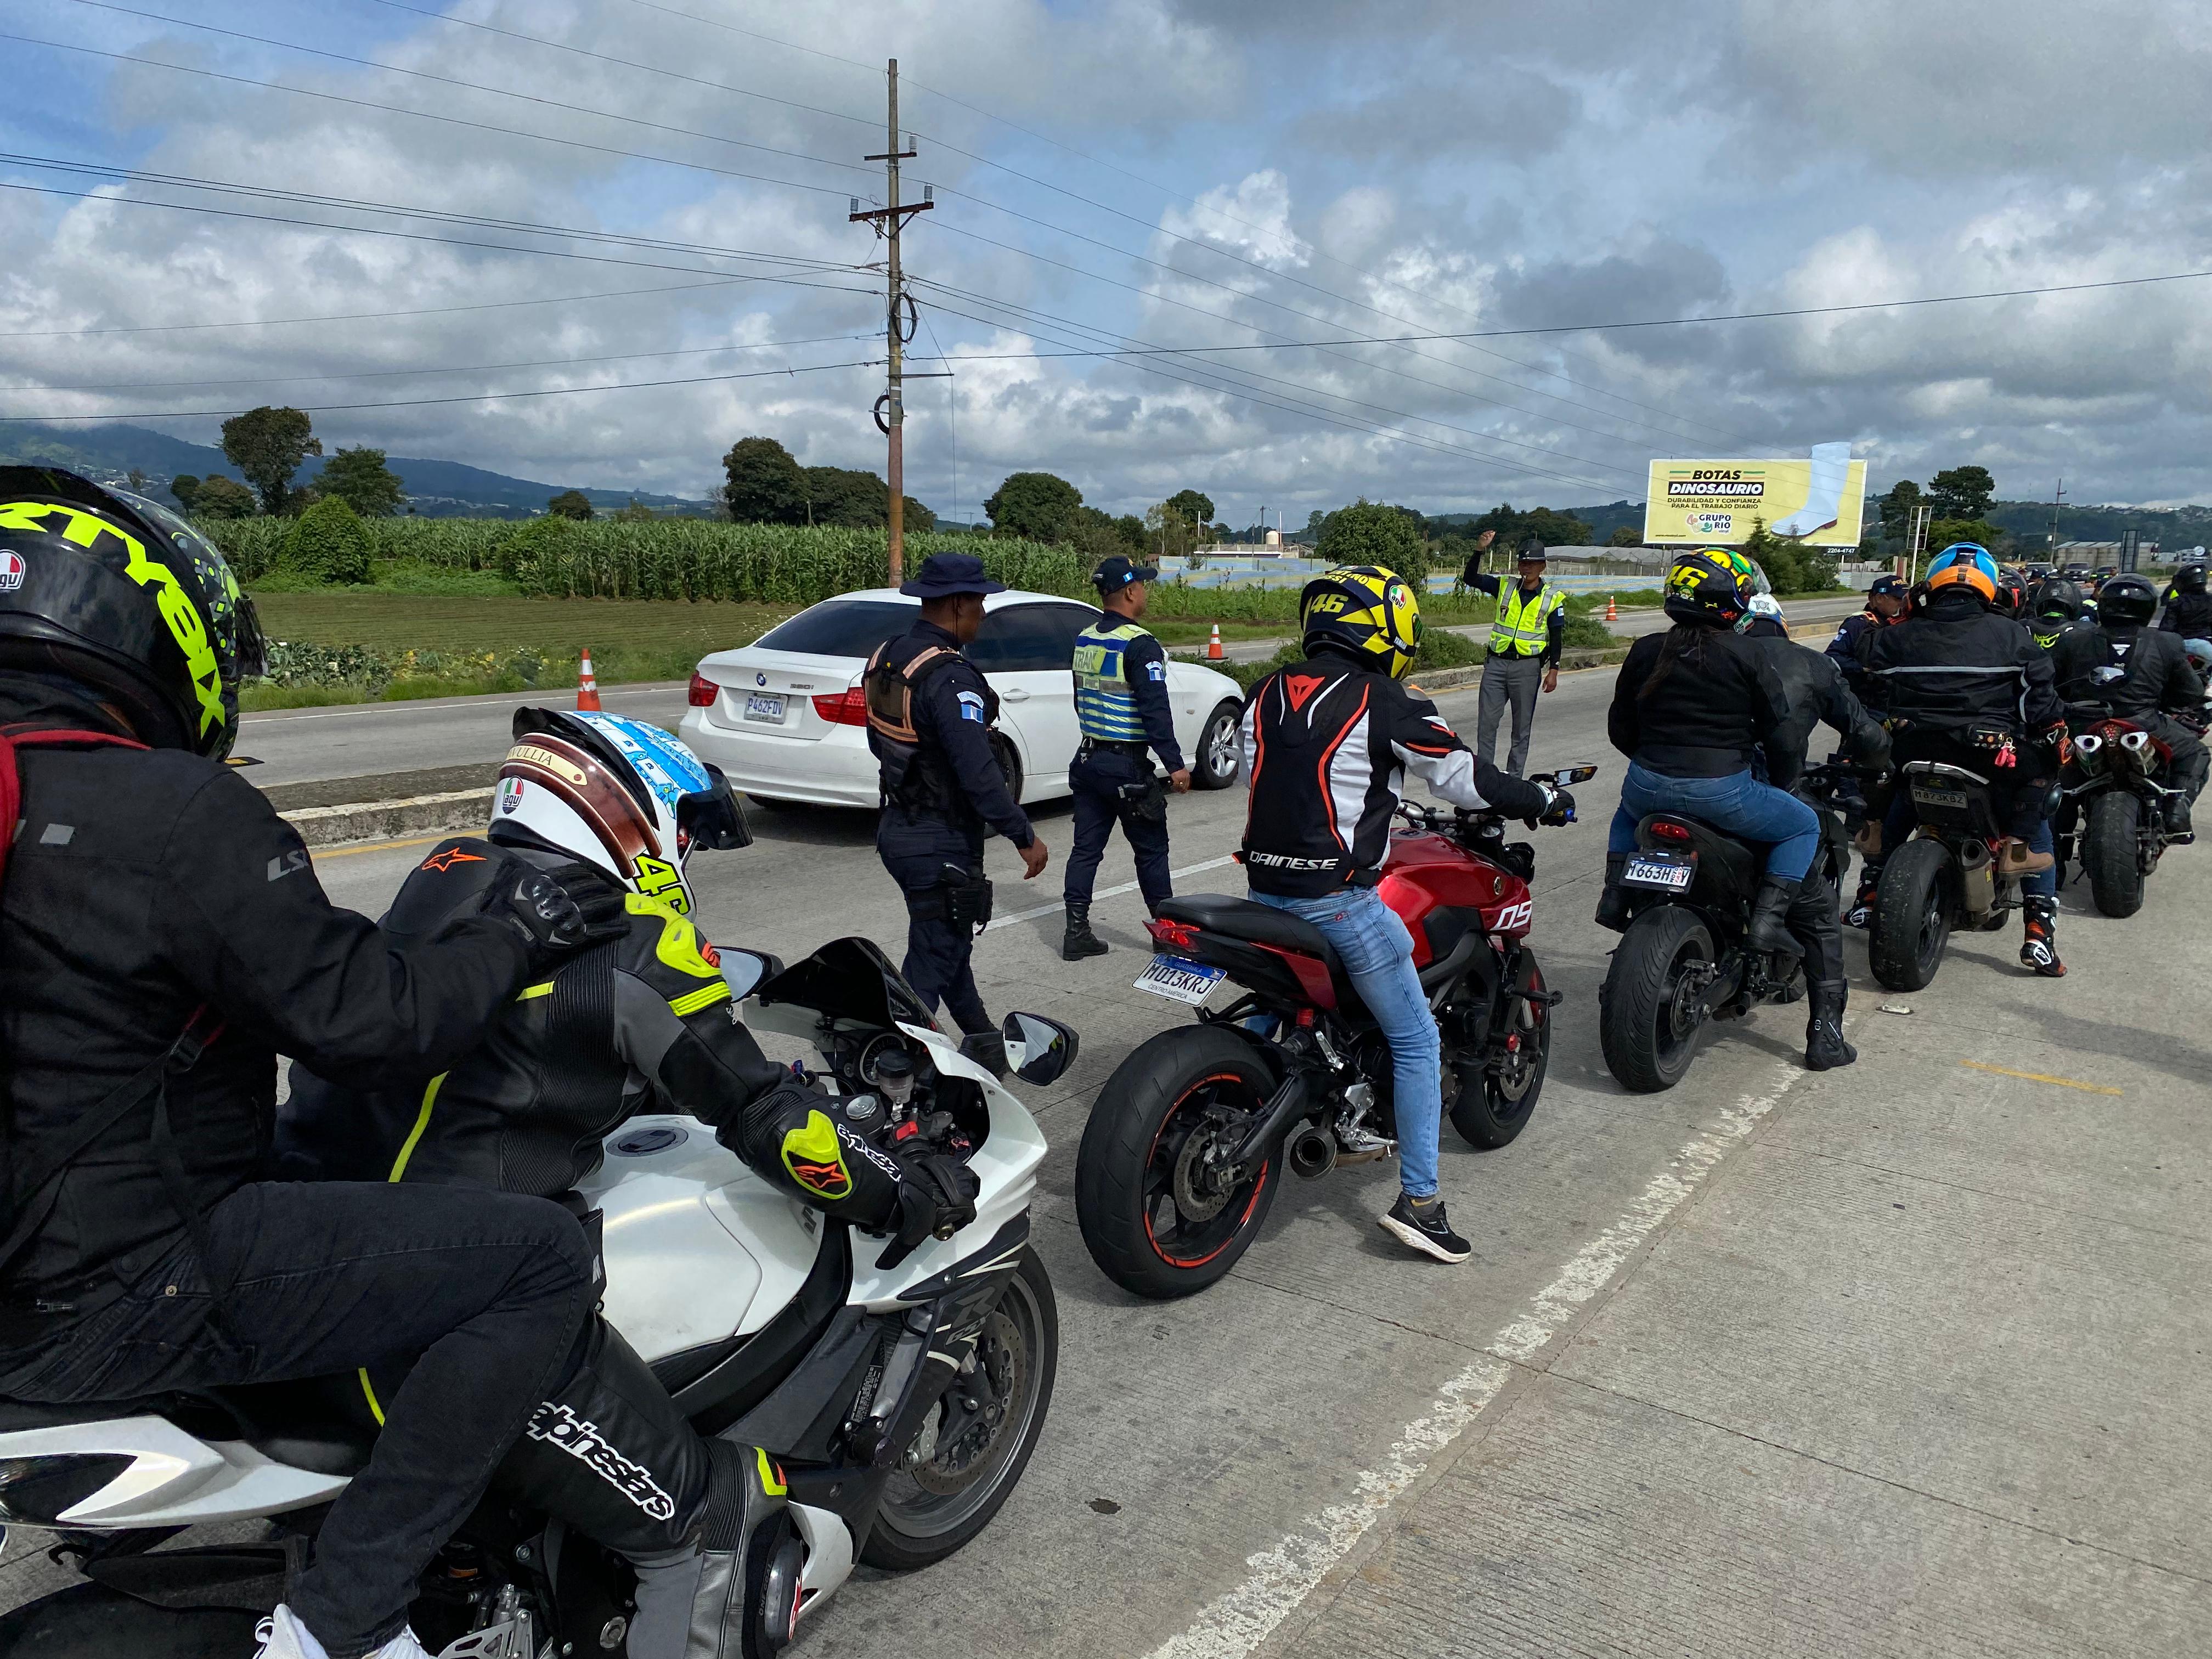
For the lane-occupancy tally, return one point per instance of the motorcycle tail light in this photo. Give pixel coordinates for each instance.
(703, 691)
(1176, 935)
(1307, 1017)
(1663, 830)
(844, 708)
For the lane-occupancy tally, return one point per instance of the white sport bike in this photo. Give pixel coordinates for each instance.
(902, 1404)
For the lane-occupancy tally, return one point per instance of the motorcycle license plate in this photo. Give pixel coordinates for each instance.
(1954, 799)
(1180, 980)
(769, 710)
(1664, 870)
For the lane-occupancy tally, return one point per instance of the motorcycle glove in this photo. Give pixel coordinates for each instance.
(1559, 810)
(937, 1197)
(559, 911)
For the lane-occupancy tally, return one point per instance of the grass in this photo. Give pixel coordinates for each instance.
(617, 632)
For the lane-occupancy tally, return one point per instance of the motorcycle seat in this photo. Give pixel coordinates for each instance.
(1253, 922)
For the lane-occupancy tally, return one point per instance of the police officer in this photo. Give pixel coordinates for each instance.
(1525, 639)
(1888, 598)
(1121, 702)
(929, 723)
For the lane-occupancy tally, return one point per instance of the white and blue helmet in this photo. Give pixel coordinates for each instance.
(616, 794)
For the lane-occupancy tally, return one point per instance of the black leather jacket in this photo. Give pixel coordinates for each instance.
(1815, 692)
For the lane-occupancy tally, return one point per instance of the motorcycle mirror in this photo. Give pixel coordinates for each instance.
(746, 971)
(1567, 774)
(1038, 1050)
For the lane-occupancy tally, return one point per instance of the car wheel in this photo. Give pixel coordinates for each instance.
(1218, 750)
(1010, 766)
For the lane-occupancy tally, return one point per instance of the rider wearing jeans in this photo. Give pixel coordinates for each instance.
(1690, 706)
(1328, 742)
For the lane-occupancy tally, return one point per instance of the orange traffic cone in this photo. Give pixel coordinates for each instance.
(1612, 610)
(587, 687)
(1213, 651)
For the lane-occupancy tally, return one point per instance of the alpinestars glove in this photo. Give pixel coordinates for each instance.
(937, 1197)
(558, 912)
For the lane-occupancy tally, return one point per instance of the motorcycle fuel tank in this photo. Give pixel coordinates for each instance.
(697, 1247)
(1426, 871)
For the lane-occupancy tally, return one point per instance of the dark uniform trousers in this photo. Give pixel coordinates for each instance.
(1097, 778)
(921, 856)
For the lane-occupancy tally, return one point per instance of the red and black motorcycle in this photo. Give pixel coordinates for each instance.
(2112, 817)
(1187, 1144)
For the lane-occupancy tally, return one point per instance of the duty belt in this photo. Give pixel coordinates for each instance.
(1118, 747)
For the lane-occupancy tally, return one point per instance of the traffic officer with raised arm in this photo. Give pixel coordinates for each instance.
(1121, 702)
(929, 715)
(1525, 640)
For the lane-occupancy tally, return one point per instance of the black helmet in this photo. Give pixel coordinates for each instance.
(1712, 586)
(2057, 597)
(2012, 594)
(2127, 599)
(2190, 579)
(125, 599)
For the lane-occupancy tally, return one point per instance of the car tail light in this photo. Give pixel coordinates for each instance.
(1663, 831)
(703, 691)
(844, 708)
(1176, 935)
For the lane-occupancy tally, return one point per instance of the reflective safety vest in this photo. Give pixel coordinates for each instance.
(1524, 620)
(1104, 703)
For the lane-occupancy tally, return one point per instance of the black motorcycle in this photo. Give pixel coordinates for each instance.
(2115, 817)
(1945, 877)
(1684, 959)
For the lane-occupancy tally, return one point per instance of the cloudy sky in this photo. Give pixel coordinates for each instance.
(586, 194)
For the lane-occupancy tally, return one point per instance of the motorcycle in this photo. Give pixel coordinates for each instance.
(1683, 959)
(1946, 875)
(1183, 1152)
(2115, 816)
(899, 1407)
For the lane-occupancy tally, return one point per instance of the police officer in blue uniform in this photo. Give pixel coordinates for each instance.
(1121, 702)
(930, 714)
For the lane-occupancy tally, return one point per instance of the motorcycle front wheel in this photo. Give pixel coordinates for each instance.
(971, 1451)
(1154, 1216)
(1911, 916)
(1650, 1008)
(2111, 854)
(1494, 1103)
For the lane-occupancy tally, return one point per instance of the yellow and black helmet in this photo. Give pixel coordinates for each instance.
(1711, 585)
(1366, 613)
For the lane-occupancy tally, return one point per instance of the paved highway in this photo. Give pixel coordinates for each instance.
(305, 745)
(1905, 1359)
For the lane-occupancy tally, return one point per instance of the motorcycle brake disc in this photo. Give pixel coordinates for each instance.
(1194, 1194)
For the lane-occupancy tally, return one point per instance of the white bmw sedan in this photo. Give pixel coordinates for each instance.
(785, 717)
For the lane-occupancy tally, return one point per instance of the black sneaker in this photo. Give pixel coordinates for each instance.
(1424, 1227)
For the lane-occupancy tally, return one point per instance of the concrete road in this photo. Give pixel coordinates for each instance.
(305, 745)
(1903, 1359)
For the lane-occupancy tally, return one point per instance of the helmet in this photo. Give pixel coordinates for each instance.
(2012, 593)
(2200, 655)
(127, 600)
(1365, 611)
(1764, 617)
(1964, 564)
(2128, 600)
(2190, 579)
(616, 794)
(2057, 597)
(1712, 584)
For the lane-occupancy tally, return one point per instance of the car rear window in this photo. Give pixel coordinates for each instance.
(842, 627)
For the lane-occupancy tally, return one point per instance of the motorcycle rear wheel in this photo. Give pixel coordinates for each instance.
(1147, 1221)
(91, 1621)
(1911, 916)
(1640, 1005)
(1491, 1108)
(2109, 852)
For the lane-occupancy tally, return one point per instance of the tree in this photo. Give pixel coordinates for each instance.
(1896, 509)
(1962, 492)
(328, 542)
(763, 483)
(1791, 566)
(1539, 524)
(1625, 535)
(1195, 507)
(183, 486)
(633, 511)
(1369, 532)
(571, 504)
(1169, 533)
(218, 497)
(359, 478)
(1037, 504)
(267, 445)
(1942, 533)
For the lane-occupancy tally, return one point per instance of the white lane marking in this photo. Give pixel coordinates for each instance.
(286, 717)
(1233, 1624)
(1105, 892)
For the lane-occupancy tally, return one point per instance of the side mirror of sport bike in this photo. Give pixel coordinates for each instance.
(1569, 776)
(1038, 1050)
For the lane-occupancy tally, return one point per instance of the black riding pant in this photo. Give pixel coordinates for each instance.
(921, 857)
(1097, 779)
(490, 1289)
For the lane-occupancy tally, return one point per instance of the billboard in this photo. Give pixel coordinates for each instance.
(1821, 499)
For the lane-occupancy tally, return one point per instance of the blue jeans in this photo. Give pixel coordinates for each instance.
(1738, 805)
(1378, 954)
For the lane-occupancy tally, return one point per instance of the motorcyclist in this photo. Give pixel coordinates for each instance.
(1690, 707)
(2012, 599)
(1327, 742)
(644, 1024)
(2055, 611)
(1967, 687)
(1816, 695)
(162, 937)
(2188, 606)
(2144, 675)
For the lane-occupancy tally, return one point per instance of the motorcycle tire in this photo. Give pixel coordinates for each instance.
(2110, 853)
(1911, 916)
(1134, 1222)
(927, 1514)
(1489, 1110)
(91, 1621)
(1640, 1004)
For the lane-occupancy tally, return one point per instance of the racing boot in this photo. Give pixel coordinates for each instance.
(1825, 1048)
(1612, 902)
(2039, 950)
(1080, 941)
(693, 1603)
(1861, 914)
(1770, 916)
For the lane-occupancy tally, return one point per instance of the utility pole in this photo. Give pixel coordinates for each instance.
(2057, 496)
(890, 408)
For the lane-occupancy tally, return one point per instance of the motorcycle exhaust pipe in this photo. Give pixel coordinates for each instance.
(1976, 883)
(1312, 1152)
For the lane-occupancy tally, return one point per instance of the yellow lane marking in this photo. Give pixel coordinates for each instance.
(2041, 1077)
(381, 847)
